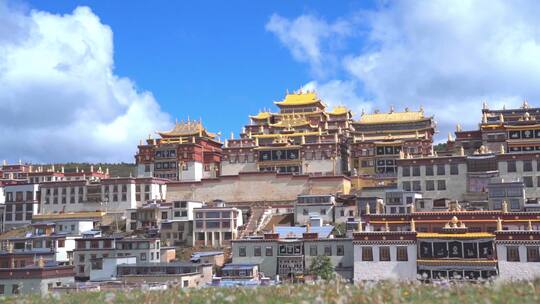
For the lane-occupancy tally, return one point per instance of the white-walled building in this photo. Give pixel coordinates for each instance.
(216, 226)
(112, 195)
(21, 204)
(384, 256)
(518, 254)
(105, 269)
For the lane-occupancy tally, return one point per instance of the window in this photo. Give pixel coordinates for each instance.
(164, 215)
(416, 186)
(528, 181)
(328, 250)
(257, 251)
(384, 253)
(512, 254)
(61, 243)
(533, 254)
(406, 171)
(313, 250)
(81, 258)
(511, 166)
(441, 169)
(429, 170)
(430, 185)
(2, 289)
(269, 251)
(401, 253)
(143, 256)
(340, 250)
(367, 254)
(454, 169)
(416, 171)
(527, 166)
(15, 289)
(441, 185)
(406, 186)
(242, 251)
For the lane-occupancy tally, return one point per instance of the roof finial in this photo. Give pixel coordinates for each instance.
(499, 224)
(413, 225)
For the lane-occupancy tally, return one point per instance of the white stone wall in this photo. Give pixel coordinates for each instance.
(228, 168)
(254, 187)
(324, 166)
(194, 172)
(521, 270)
(384, 270)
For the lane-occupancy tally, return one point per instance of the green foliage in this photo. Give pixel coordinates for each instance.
(340, 230)
(322, 267)
(325, 292)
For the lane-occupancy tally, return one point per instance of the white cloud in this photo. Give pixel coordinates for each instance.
(448, 56)
(338, 92)
(307, 39)
(59, 97)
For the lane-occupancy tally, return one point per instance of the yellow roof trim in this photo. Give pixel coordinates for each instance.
(284, 135)
(299, 99)
(339, 110)
(262, 115)
(392, 117)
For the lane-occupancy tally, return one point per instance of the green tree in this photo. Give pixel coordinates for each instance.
(322, 267)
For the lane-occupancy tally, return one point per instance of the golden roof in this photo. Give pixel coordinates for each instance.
(299, 99)
(391, 117)
(186, 129)
(339, 110)
(262, 115)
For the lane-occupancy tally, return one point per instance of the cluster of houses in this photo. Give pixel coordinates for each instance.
(371, 195)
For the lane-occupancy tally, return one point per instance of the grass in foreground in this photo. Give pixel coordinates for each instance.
(333, 292)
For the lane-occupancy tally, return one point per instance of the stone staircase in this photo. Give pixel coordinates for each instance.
(258, 214)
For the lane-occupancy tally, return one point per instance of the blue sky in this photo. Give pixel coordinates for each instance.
(87, 80)
(209, 59)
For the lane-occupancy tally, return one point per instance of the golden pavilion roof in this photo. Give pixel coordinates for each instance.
(339, 110)
(188, 128)
(392, 117)
(261, 116)
(299, 99)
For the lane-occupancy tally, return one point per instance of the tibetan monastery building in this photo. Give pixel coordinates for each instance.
(301, 138)
(378, 139)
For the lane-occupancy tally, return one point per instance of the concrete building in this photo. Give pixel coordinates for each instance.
(466, 178)
(34, 279)
(512, 192)
(289, 251)
(112, 195)
(90, 248)
(309, 205)
(106, 268)
(180, 274)
(518, 254)
(384, 256)
(216, 226)
(400, 201)
(21, 204)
